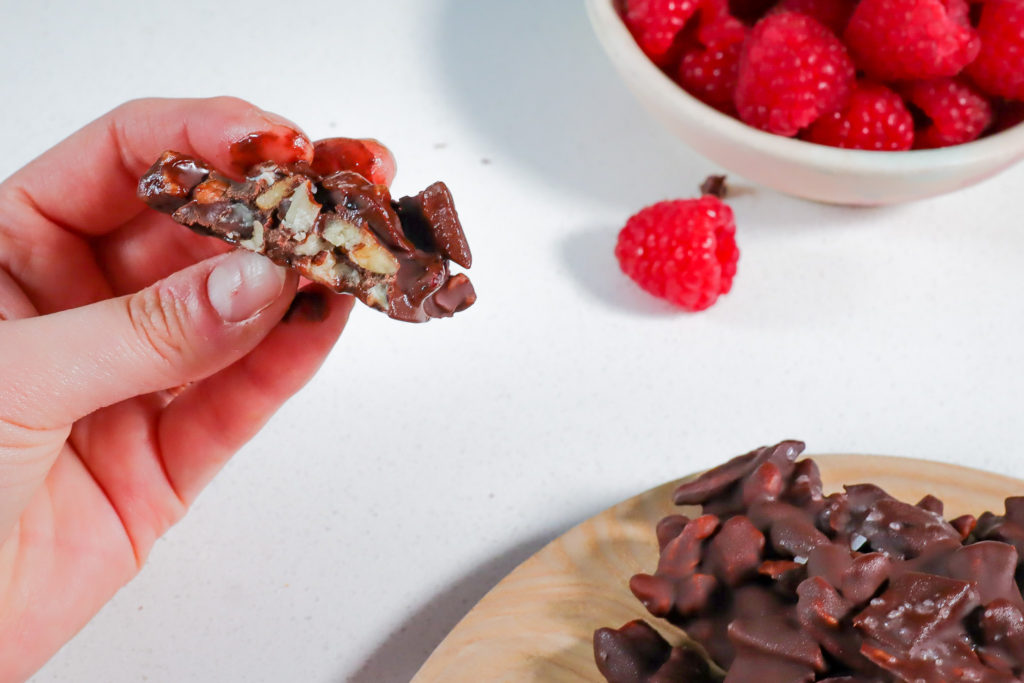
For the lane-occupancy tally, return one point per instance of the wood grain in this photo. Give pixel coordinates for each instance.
(537, 623)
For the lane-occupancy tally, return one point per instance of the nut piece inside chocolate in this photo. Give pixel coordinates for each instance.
(781, 583)
(339, 230)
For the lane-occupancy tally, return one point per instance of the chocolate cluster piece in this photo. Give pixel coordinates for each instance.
(782, 584)
(339, 230)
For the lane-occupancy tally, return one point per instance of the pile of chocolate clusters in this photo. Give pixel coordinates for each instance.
(781, 584)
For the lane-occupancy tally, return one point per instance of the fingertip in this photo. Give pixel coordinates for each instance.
(384, 167)
(366, 156)
(98, 167)
(230, 133)
(276, 119)
(315, 304)
(203, 427)
(307, 305)
(281, 144)
(207, 127)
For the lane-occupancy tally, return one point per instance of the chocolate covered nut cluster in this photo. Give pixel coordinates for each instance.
(782, 584)
(340, 230)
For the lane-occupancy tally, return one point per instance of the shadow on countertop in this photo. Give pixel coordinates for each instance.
(531, 80)
(589, 255)
(401, 655)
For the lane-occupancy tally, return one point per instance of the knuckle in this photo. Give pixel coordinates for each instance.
(131, 111)
(159, 321)
(230, 101)
(132, 106)
(28, 439)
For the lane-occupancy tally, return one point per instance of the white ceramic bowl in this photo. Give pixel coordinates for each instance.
(804, 169)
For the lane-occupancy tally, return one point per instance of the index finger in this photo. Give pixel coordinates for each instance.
(87, 183)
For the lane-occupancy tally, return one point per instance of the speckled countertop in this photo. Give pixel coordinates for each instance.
(424, 462)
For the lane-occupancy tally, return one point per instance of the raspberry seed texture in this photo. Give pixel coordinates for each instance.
(792, 71)
(896, 40)
(999, 68)
(875, 118)
(683, 251)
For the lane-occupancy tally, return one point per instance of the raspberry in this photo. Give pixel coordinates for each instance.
(894, 40)
(656, 23)
(959, 11)
(709, 73)
(875, 118)
(718, 28)
(999, 68)
(953, 112)
(792, 70)
(833, 14)
(683, 251)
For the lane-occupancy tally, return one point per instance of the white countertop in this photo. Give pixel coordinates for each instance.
(424, 462)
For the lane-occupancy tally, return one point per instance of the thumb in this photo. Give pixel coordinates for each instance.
(57, 368)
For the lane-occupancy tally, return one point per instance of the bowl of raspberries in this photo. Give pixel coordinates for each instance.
(859, 102)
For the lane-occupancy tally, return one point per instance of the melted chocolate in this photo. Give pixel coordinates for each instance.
(341, 231)
(343, 154)
(455, 295)
(431, 222)
(285, 146)
(170, 189)
(781, 583)
(354, 197)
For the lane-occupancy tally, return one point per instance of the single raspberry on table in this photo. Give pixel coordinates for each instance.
(894, 40)
(833, 14)
(953, 112)
(682, 250)
(792, 70)
(876, 118)
(999, 68)
(656, 23)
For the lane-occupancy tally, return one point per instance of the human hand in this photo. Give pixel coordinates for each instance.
(135, 358)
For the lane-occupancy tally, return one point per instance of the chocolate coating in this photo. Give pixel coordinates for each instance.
(168, 184)
(341, 230)
(779, 582)
(431, 221)
(636, 653)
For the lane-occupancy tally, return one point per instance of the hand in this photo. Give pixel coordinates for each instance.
(135, 358)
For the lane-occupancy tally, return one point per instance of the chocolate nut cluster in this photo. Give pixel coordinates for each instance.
(339, 230)
(781, 584)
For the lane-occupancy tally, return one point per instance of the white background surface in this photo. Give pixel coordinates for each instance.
(425, 462)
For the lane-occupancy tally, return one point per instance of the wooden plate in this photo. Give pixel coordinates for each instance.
(537, 623)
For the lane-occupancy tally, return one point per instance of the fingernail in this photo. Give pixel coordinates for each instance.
(242, 284)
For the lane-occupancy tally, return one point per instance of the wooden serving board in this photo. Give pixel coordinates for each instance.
(538, 622)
